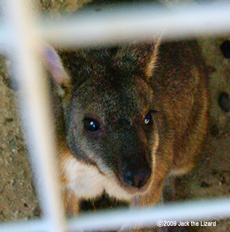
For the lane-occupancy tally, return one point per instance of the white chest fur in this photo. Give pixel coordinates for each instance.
(87, 182)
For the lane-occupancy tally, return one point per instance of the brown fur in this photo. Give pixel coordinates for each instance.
(118, 87)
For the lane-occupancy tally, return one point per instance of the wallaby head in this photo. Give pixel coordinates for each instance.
(132, 114)
(110, 112)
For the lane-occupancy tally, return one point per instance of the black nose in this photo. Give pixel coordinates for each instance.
(134, 175)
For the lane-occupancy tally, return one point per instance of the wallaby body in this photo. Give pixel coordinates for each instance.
(132, 116)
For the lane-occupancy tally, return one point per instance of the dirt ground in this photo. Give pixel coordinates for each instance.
(211, 177)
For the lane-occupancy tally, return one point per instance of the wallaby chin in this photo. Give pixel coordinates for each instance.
(128, 117)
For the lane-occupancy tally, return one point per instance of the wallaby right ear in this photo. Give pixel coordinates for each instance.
(54, 65)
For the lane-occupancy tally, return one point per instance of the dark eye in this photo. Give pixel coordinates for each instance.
(148, 118)
(91, 125)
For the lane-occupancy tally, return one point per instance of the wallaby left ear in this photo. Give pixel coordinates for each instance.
(152, 61)
(54, 65)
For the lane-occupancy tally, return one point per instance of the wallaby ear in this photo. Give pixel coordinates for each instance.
(54, 65)
(137, 58)
(152, 61)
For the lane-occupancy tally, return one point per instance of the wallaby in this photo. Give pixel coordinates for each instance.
(129, 116)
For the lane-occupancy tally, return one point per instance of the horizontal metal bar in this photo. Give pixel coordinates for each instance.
(26, 226)
(107, 220)
(125, 23)
(138, 22)
(192, 210)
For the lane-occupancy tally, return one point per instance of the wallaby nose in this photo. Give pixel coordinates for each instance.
(135, 176)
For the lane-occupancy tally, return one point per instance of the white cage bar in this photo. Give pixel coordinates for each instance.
(139, 22)
(34, 107)
(18, 34)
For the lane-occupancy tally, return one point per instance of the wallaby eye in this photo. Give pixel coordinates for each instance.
(91, 125)
(148, 118)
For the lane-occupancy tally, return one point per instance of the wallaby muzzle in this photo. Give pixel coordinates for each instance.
(135, 173)
(135, 161)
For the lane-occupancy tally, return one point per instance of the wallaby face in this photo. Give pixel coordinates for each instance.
(132, 115)
(110, 125)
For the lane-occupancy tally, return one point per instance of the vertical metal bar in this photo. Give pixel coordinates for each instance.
(34, 107)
